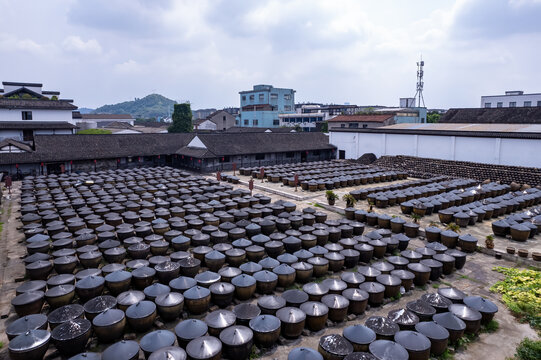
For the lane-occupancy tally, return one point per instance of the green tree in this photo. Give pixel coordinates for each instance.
(325, 127)
(182, 119)
(433, 117)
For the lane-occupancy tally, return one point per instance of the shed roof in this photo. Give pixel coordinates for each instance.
(516, 115)
(379, 118)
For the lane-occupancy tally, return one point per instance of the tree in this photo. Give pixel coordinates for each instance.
(433, 117)
(182, 119)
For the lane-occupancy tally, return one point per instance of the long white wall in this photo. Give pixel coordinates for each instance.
(501, 151)
(37, 115)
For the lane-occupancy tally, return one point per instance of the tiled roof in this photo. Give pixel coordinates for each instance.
(36, 104)
(106, 116)
(361, 118)
(516, 115)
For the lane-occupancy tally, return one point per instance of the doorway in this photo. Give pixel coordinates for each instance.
(303, 156)
(341, 154)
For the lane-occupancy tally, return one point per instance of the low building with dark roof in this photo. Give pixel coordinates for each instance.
(361, 121)
(201, 152)
(504, 115)
(99, 119)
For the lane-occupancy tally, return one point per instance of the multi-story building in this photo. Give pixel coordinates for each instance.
(511, 99)
(27, 110)
(261, 106)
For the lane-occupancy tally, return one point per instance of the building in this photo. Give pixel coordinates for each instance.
(361, 121)
(504, 115)
(307, 121)
(501, 144)
(511, 99)
(27, 110)
(218, 120)
(197, 151)
(261, 106)
(202, 113)
(91, 121)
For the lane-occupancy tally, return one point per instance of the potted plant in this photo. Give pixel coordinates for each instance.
(371, 205)
(349, 199)
(489, 241)
(331, 197)
(416, 217)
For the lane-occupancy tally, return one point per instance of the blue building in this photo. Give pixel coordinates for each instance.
(260, 107)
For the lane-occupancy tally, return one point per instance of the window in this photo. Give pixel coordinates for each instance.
(226, 159)
(28, 135)
(274, 96)
(539, 103)
(527, 103)
(223, 118)
(365, 126)
(243, 97)
(488, 105)
(251, 98)
(341, 154)
(287, 97)
(312, 119)
(246, 122)
(275, 122)
(261, 97)
(315, 152)
(255, 122)
(342, 125)
(287, 107)
(236, 122)
(353, 125)
(26, 115)
(260, 156)
(499, 104)
(290, 154)
(512, 104)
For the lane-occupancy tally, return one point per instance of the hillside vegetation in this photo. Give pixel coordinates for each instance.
(151, 106)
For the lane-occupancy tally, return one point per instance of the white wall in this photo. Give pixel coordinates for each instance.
(207, 125)
(506, 99)
(37, 115)
(502, 151)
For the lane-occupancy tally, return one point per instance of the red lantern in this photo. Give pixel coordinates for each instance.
(41, 164)
(118, 160)
(199, 161)
(95, 161)
(223, 159)
(71, 162)
(16, 166)
(191, 158)
(158, 156)
(182, 157)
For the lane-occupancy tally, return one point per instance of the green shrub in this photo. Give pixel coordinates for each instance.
(528, 350)
(94, 132)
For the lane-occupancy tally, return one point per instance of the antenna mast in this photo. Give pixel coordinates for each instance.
(420, 83)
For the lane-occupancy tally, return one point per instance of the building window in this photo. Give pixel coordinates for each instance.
(260, 156)
(365, 126)
(342, 125)
(539, 103)
(28, 135)
(499, 104)
(527, 103)
(255, 122)
(236, 122)
(275, 122)
(26, 115)
(488, 105)
(290, 154)
(353, 125)
(287, 107)
(226, 159)
(261, 97)
(274, 96)
(287, 97)
(512, 104)
(251, 98)
(243, 97)
(316, 152)
(223, 118)
(246, 122)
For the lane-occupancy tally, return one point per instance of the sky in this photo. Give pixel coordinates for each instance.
(330, 51)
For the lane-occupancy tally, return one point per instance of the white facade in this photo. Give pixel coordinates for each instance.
(37, 115)
(206, 125)
(511, 99)
(488, 150)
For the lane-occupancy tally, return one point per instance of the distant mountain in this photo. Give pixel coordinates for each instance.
(84, 110)
(151, 106)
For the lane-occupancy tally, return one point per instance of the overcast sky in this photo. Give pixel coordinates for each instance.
(332, 51)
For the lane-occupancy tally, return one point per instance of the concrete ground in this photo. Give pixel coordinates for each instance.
(474, 279)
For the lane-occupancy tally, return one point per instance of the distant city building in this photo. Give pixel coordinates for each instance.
(511, 99)
(503, 115)
(27, 110)
(92, 121)
(261, 106)
(307, 122)
(202, 113)
(218, 120)
(361, 121)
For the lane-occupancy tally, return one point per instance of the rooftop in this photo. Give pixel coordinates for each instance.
(507, 115)
(379, 118)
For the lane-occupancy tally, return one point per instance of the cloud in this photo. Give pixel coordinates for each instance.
(76, 44)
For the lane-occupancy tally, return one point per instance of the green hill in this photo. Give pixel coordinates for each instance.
(151, 106)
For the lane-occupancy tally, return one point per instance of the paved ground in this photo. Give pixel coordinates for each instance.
(475, 279)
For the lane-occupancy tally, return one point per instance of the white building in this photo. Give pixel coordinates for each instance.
(306, 121)
(511, 99)
(26, 110)
(502, 144)
(102, 120)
